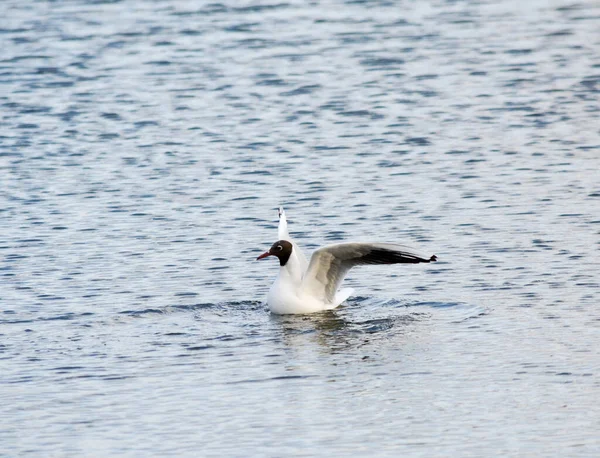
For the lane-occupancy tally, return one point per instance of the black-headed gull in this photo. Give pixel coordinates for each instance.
(301, 287)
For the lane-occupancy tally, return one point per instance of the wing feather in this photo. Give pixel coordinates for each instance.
(283, 234)
(329, 265)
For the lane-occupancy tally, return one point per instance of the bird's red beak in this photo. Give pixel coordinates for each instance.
(264, 255)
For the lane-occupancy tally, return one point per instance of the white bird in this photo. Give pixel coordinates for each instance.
(301, 287)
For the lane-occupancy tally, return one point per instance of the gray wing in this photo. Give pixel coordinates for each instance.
(329, 265)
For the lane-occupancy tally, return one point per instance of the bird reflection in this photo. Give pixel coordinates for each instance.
(336, 330)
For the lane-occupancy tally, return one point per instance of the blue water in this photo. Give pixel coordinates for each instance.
(144, 150)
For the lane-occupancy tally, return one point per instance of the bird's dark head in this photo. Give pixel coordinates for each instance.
(282, 249)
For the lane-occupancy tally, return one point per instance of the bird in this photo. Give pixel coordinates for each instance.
(303, 287)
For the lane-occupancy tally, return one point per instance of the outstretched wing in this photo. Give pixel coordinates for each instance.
(282, 230)
(329, 265)
(283, 234)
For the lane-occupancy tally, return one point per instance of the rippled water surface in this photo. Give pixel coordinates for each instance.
(145, 147)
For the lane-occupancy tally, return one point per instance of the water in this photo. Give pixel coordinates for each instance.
(145, 147)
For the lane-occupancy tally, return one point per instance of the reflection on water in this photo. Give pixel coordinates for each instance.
(336, 331)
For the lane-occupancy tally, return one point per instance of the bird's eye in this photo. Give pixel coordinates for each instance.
(279, 247)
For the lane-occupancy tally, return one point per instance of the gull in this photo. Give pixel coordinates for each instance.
(302, 287)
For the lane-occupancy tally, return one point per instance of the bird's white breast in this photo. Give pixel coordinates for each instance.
(286, 296)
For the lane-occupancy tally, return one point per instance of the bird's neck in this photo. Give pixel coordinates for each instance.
(292, 269)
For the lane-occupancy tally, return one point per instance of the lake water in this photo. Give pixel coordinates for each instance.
(144, 150)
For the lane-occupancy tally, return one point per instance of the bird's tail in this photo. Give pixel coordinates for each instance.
(341, 296)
